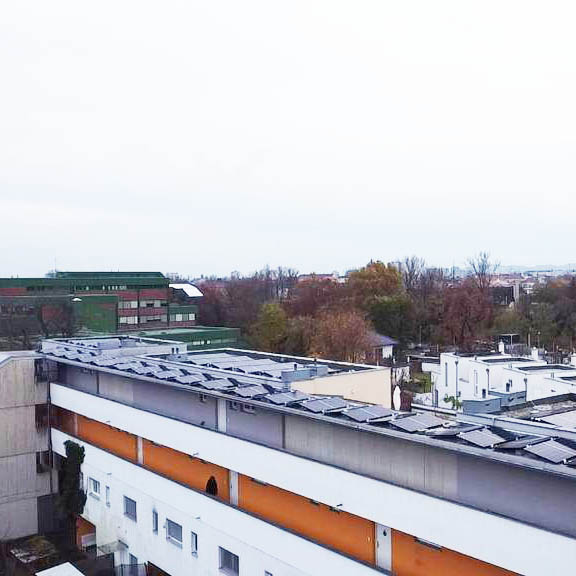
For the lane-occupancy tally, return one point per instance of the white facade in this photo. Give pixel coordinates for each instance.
(528, 550)
(259, 545)
(475, 377)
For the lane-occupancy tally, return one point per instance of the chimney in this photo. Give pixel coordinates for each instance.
(536, 354)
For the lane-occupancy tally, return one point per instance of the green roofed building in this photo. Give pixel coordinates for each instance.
(110, 302)
(199, 337)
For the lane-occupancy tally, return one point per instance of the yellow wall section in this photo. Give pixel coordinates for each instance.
(111, 439)
(411, 558)
(338, 530)
(185, 469)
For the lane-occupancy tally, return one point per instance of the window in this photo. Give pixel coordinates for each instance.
(130, 508)
(174, 532)
(248, 408)
(133, 561)
(194, 543)
(154, 521)
(203, 398)
(266, 573)
(41, 416)
(229, 563)
(233, 405)
(94, 488)
(108, 496)
(212, 486)
(508, 385)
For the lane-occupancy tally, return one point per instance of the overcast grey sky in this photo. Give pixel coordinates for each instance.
(205, 137)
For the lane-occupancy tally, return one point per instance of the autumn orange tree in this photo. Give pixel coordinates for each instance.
(375, 280)
(342, 335)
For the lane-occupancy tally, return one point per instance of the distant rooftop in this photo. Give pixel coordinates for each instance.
(506, 360)
(547, 368)
(112, 275)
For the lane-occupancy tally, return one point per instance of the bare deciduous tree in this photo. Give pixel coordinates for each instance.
(483, 271)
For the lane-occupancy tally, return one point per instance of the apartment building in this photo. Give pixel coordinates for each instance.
(489, 382)
(102, 301)
(26, 477)
(220, 465)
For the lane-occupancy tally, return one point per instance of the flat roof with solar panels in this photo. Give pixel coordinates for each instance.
(546, 440)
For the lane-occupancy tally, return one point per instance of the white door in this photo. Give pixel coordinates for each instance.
(383, 547)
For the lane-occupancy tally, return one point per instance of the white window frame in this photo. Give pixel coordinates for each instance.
(222, 554)
(125, 501)
(171, 538)
(194, 543)
(155, 521)
(94, 488)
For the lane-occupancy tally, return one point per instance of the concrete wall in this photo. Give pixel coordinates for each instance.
(17, 383)
(17, 431)
(181, 404)
(264, 426)
(79, 378)
(405, 463)
(531, 497)
(18, 518)
(116, 387)
(20, 484)
(373, 386)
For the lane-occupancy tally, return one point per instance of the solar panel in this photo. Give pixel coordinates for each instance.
(552, 451)
(189, 379)
(139, 369)
(71, 355)
(251, 391)
(287, 397)
(520, 443)
(127, 366)
(216, 384)
(323, 405)
(450, 431)
(369, 413)
(166, 374)
(564, 419)
(417, 423)
(484, 438)
(107, 361)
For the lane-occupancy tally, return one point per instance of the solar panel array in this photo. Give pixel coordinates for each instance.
(484, 438)
(286, 398)
(369, 413)
(417, 423)
(269, 367)
(325, 405)
(553, 451)
(241, 387)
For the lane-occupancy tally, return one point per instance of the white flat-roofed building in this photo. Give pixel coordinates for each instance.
(216, 464)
